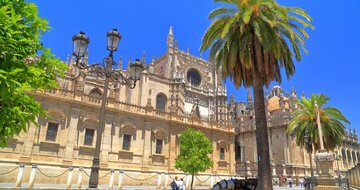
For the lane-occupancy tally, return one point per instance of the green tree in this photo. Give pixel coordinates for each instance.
(194, 150)
(25, 66)
(304, 119)
(250, 41)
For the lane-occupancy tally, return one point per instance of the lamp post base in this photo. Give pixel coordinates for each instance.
(94, 175)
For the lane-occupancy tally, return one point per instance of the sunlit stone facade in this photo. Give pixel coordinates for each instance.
(287, 158)
(176, 91)
(141, 135)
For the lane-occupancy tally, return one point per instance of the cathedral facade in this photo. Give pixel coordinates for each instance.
(142, 125)
(287, 158)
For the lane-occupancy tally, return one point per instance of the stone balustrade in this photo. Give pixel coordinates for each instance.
(354, 176)
(137, 109)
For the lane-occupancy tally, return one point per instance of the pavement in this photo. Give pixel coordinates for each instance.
(63, 186)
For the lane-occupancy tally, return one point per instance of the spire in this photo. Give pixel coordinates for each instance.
(303, 94)
(152, 59)
(293, 92)
(67, 62)
(120, 63)
(143, 58)
(249, 98)
(170, 38)
(171, 31)
(86, 58)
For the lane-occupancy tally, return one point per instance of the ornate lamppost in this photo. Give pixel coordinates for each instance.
(309, 144)
(104, 69)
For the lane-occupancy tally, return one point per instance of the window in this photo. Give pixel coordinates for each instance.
(159, 144)
(89, 137)
(194, 77)
(95, 93)
(237, 151)
(161, 102)
(52, 131)
(222, 153)
(126, 142)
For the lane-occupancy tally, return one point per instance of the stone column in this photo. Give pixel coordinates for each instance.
(172, 149)
(231, 156)
(146, 144)
(166, 181)
(28, 140)
(71, 136)
(121, 173)
(351, 157)
(20, 175)
(273, 169)
(284, 170)
(106, 141)
(111, 182)
(79, 181)
(32, 176)
(347, 158)
(69, 178)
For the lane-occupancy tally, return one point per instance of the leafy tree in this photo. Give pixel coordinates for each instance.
(304, 119)
(250, 41)
(22, 68)
(194, 150)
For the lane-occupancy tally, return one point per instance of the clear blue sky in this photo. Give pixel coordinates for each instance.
(331, 67)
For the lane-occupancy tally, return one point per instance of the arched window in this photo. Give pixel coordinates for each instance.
(95, 93)
(193, 77)
(161, 102)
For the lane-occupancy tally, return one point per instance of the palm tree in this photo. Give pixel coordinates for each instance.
(250, 40)
(304, 124)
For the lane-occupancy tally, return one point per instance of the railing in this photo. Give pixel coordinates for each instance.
(136, 109)
(33, 176)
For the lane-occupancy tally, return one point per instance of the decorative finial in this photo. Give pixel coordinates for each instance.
(67, 62)
(171, 31)
(188, 51)
(120, 63)
(176, 44)
(143, 58)
(293, 92)
(86, 58)
(303, 94)
(129, 63)
(232, 99)
(153, 59)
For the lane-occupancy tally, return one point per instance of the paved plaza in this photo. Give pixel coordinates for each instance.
(62, 186)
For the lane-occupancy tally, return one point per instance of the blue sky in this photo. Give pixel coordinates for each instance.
(331, 67)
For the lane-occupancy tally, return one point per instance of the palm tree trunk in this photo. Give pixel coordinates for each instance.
(192, 181)
(311, 166)
(264, 169)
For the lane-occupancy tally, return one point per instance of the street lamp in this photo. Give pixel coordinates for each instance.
(308, 144)
(104, 69)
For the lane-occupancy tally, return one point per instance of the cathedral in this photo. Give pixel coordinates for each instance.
(142, 125)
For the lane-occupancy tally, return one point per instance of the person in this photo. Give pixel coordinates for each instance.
(181, 184)
(174, 184)
(301, 182)
(290, 182)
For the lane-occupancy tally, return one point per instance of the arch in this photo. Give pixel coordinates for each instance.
(193, 76)
(222, 144)
(96, 92)
(159, 133)
(56, 115)
(161, 102)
